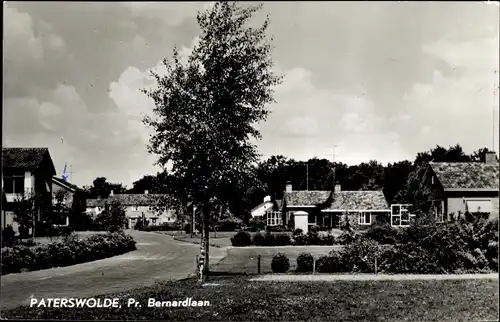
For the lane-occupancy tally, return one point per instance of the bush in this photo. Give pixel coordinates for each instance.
(242, 238)
(301, 240)
(382, 233)
(297, 232)
(326, 238)
(8, 236)
(305, 262)
(162, 227)
(346, 238)
(331, 263)
(256, 224)
(269, 239)
(228, 225)
(406, 259)
(280, 263)
(69, 251)
(282, 240)
(258, 239)
(359, 256)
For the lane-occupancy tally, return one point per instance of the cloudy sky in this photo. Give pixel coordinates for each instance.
(378, 80)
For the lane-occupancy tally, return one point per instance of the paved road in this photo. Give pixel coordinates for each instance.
(158, 258)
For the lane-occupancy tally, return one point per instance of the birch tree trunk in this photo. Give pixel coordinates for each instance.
(204, 249)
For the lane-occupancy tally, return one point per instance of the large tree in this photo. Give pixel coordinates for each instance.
(206, 110)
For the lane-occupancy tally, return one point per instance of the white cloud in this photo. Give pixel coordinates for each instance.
(457, 109)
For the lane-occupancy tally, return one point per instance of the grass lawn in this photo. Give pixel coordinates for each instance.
(244, 259)
(237, 299)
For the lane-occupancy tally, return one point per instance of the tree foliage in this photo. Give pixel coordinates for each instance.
(206, 109)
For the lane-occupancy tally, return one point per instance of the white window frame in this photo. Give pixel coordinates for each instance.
(362, 218)
(440, 218)
(403, 208)
(273, 218)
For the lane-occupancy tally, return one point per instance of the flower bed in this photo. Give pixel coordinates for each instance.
(68, 251)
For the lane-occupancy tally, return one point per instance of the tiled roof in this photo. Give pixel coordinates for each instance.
(466, 175)
(91, 203)
(138, 199)
(61, 181)
(24, 158)
(343, 200)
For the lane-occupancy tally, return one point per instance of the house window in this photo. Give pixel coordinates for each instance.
(438, 208)
(478, 206)
(311, 219)
(400, 216)
(273, 218)
(13, 184)
(365, 218)
(153, 221)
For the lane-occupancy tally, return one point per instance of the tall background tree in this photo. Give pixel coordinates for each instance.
(206, 110)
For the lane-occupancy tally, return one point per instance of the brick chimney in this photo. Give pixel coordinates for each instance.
(337, 187)
(288, 187)
(146, 192)
(490, 157)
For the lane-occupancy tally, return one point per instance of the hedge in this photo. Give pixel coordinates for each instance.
(69, 251)
(160, 227)
(461, 247)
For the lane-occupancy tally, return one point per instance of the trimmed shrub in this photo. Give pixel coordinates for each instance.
(297, 232)
(382, 233)
(269, 239)
(331, 263)
(67, 252)
(258, 239)
(301, 240)
(282, 240)
(312, 237)
(162, 227)
(280, 263)
(326, 238)
(242, 238)
(305, 262)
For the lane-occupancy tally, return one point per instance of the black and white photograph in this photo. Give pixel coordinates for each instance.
(250, 161)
